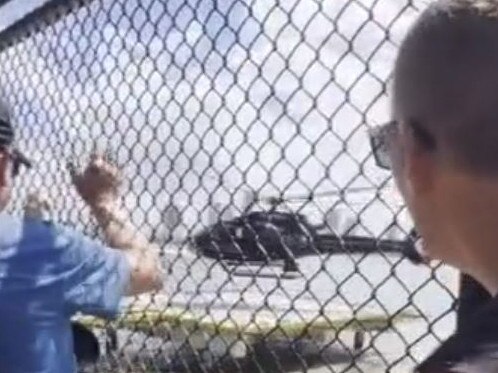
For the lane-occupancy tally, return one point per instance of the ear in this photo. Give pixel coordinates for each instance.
(420, 166)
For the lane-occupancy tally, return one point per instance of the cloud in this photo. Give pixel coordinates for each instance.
(204, 98)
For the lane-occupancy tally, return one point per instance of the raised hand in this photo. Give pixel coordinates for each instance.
(98, 184)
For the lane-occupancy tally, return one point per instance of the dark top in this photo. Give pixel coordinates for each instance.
(472, 349)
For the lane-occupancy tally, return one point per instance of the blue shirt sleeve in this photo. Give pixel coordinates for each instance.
(96, 277)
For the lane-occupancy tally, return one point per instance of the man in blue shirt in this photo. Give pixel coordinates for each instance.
(48, 272)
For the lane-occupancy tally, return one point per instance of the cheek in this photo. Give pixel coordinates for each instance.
(399, 175)
(425, 216)
(417, 205)
(6, 189)
(5, 193)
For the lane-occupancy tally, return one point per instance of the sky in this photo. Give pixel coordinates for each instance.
(201, 100)
(14, 10)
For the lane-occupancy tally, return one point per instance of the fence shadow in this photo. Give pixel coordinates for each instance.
(264, 357)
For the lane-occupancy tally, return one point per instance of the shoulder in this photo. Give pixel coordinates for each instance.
(472, 349)
(15, 229)
(32, 234)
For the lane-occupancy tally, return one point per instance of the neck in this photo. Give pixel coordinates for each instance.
(478, 258)
(472, 231)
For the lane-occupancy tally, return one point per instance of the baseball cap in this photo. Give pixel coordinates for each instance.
(7, 136)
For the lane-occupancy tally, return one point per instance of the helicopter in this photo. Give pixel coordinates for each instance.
(271, 236)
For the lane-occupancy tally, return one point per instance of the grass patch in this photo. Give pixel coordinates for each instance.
(151, 321)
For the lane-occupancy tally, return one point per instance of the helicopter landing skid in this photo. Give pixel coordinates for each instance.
(254, 263)
(263, 272)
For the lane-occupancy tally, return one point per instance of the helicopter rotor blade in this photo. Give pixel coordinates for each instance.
(309, 197)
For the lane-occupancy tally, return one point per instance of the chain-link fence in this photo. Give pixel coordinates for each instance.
(241, 126)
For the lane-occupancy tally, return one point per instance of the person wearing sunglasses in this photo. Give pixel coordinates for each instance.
(49, 272)
(442, 148)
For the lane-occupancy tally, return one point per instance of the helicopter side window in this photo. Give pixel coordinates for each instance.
(221, 233)
(287, 226)
(239, 233)
(215, 233)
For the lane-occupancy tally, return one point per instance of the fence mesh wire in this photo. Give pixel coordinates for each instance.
(217, 110)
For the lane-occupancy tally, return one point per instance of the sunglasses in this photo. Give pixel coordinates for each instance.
(16, 163)
(379, 141)
(381, 138)
(17, 160)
